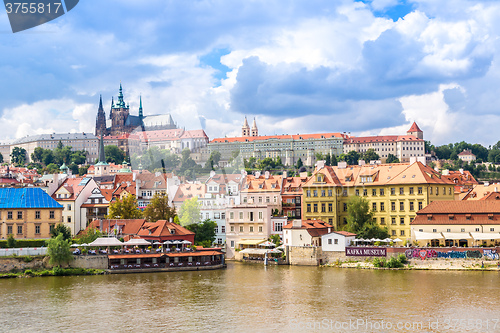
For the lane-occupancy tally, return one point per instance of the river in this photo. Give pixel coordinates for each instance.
(254, 298)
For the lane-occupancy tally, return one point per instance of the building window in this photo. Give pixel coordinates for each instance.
(69, 219)
(477, 229)
(51, 228)
(330, 207)
(393, 206)
(402, 233)
(52, 214)
(241, 228)
(374, 192)
(250, 216)
(223, 216)
(278, 226)
(329, 193)
(393, 220)
(411, 206)
(19, 215)
(434, 230)
(382, 220)
(374, 206)
(251, 228)
(241, 216)
(365, 192)
(437, 190)
(308, 208)
(260, 228)
(420, 205)
(216, 229)
(69, 207)
(492, 229)
(217, 216)
(345, 207)
(261, 215)
(357, 192)
(336, 241)
(37, 229)
(402, 220)
(382, 207)
(223, 229)
(393, 190)
(9, 215)
(323, 208)
(420, 190)
(430, 190)
(232, 244)
(381, 191)
(329, 241)
(401, 190)
(231, 216)
(401, 205)
(394, 232)
(330, 221)
(315, 193)
(308, 193)
(411, 190)
(232, 228)
(315, 208)
(345, 220)
(323, 193)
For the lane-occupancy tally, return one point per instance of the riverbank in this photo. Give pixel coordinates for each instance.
(55, 271)
(429, 264)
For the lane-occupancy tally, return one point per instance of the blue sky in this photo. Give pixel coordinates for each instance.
(365, 67)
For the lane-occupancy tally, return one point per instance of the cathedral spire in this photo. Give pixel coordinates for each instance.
(121, 103)
(100, 123)
(112, 106)
(140, 107)
(100, 103)
(102, 157)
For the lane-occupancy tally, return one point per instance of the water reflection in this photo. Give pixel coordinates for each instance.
(244, 297)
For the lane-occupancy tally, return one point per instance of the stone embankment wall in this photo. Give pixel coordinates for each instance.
(9, 264)
(95, 262)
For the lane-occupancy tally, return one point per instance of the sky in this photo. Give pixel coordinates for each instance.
(364, 67)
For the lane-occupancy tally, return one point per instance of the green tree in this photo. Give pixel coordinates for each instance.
(61, 229)
(275, 239)
(83, 170)
(352, 157)
(360, 220)
(328, 159)
(37, 155)
(11, 241)
(299, 163)
(204, 232)
(124, 209)
(47, 157)
(1, 158)
(189, 212)
(114, 154)
(88, 236)
(333, 161)
(51, 168)
(74, 168)
(159, 209)
(370, 155)
(79, 157)
(59, 250)
(18, 156)
(391, 159)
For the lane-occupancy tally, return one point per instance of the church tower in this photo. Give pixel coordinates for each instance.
(255, 131)
(245, 130)
(415, 131)
(100, 123)
(119, 114)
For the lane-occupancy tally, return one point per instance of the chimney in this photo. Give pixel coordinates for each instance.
(320, 165)
(461, 171)
(212, 173)
(257, 174)
(361, 162)
(296, 224)
(285, 174)
(342, 165)
(266, 174)
(445, 172)
(133, 176)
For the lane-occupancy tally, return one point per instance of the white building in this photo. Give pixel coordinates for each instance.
(305, 232)
(337, 241)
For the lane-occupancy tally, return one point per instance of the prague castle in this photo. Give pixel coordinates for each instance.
(120, 120)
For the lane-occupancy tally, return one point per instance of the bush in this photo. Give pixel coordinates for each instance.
(29, 272)
(402, 259)
(28, 258)
(22, 243)
(11, 241)
(379, 262)
(394, 262)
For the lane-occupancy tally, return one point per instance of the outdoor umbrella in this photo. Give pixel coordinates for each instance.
(167, 242)
(267, 243)
(281, 247)
(136, 241)
(398, 240)
(186, 242)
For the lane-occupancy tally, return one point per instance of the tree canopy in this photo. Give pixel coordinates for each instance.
(18, 156)
(392, 159)
(204, 232)
(189, 212)
(59, 250)
(370, 155)
(124, 209)
(159, 209)
(61, 229)
(113, 154)
(360, 220)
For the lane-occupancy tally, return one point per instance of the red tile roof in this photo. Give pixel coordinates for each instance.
(414, 128)
(345, 233)
(381, 138)
(279, 137)
(462, 207)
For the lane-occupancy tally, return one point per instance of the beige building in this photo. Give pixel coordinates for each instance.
(467, 156)
(27, 213)
(404, 147)
(245, 225)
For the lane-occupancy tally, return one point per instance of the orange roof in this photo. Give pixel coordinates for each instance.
(414, 128)
(466, 153)
(293, 185)
(462, 207)
(461, 177)
(188, 191)
(480, 191)
(345, 233)
(72, 185)
(261, 184)
(163, 228)
(279, 137)
(127, 226)
(315, 228)
(381, 138)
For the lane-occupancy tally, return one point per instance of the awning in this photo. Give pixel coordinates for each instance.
(251, 241)
(254, 251)
(484, 235)
(136, 241)
(105, 241)
(456, 235)
(419, 235)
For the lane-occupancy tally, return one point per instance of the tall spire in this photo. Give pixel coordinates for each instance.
(112, 106)
(100, 123)
(102, 157)
(100, 103)
(255, 131)
(140, 107)
(121, 103)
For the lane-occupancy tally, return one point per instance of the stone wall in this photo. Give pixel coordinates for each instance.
(9, 264)
(305, 255)
(96, 262)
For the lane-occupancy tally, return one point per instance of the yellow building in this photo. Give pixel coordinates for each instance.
(27, 213)
(395, 193)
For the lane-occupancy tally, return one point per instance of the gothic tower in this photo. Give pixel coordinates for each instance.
(255, 131)
(120, 114)
(245, 130)
(100, 123)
